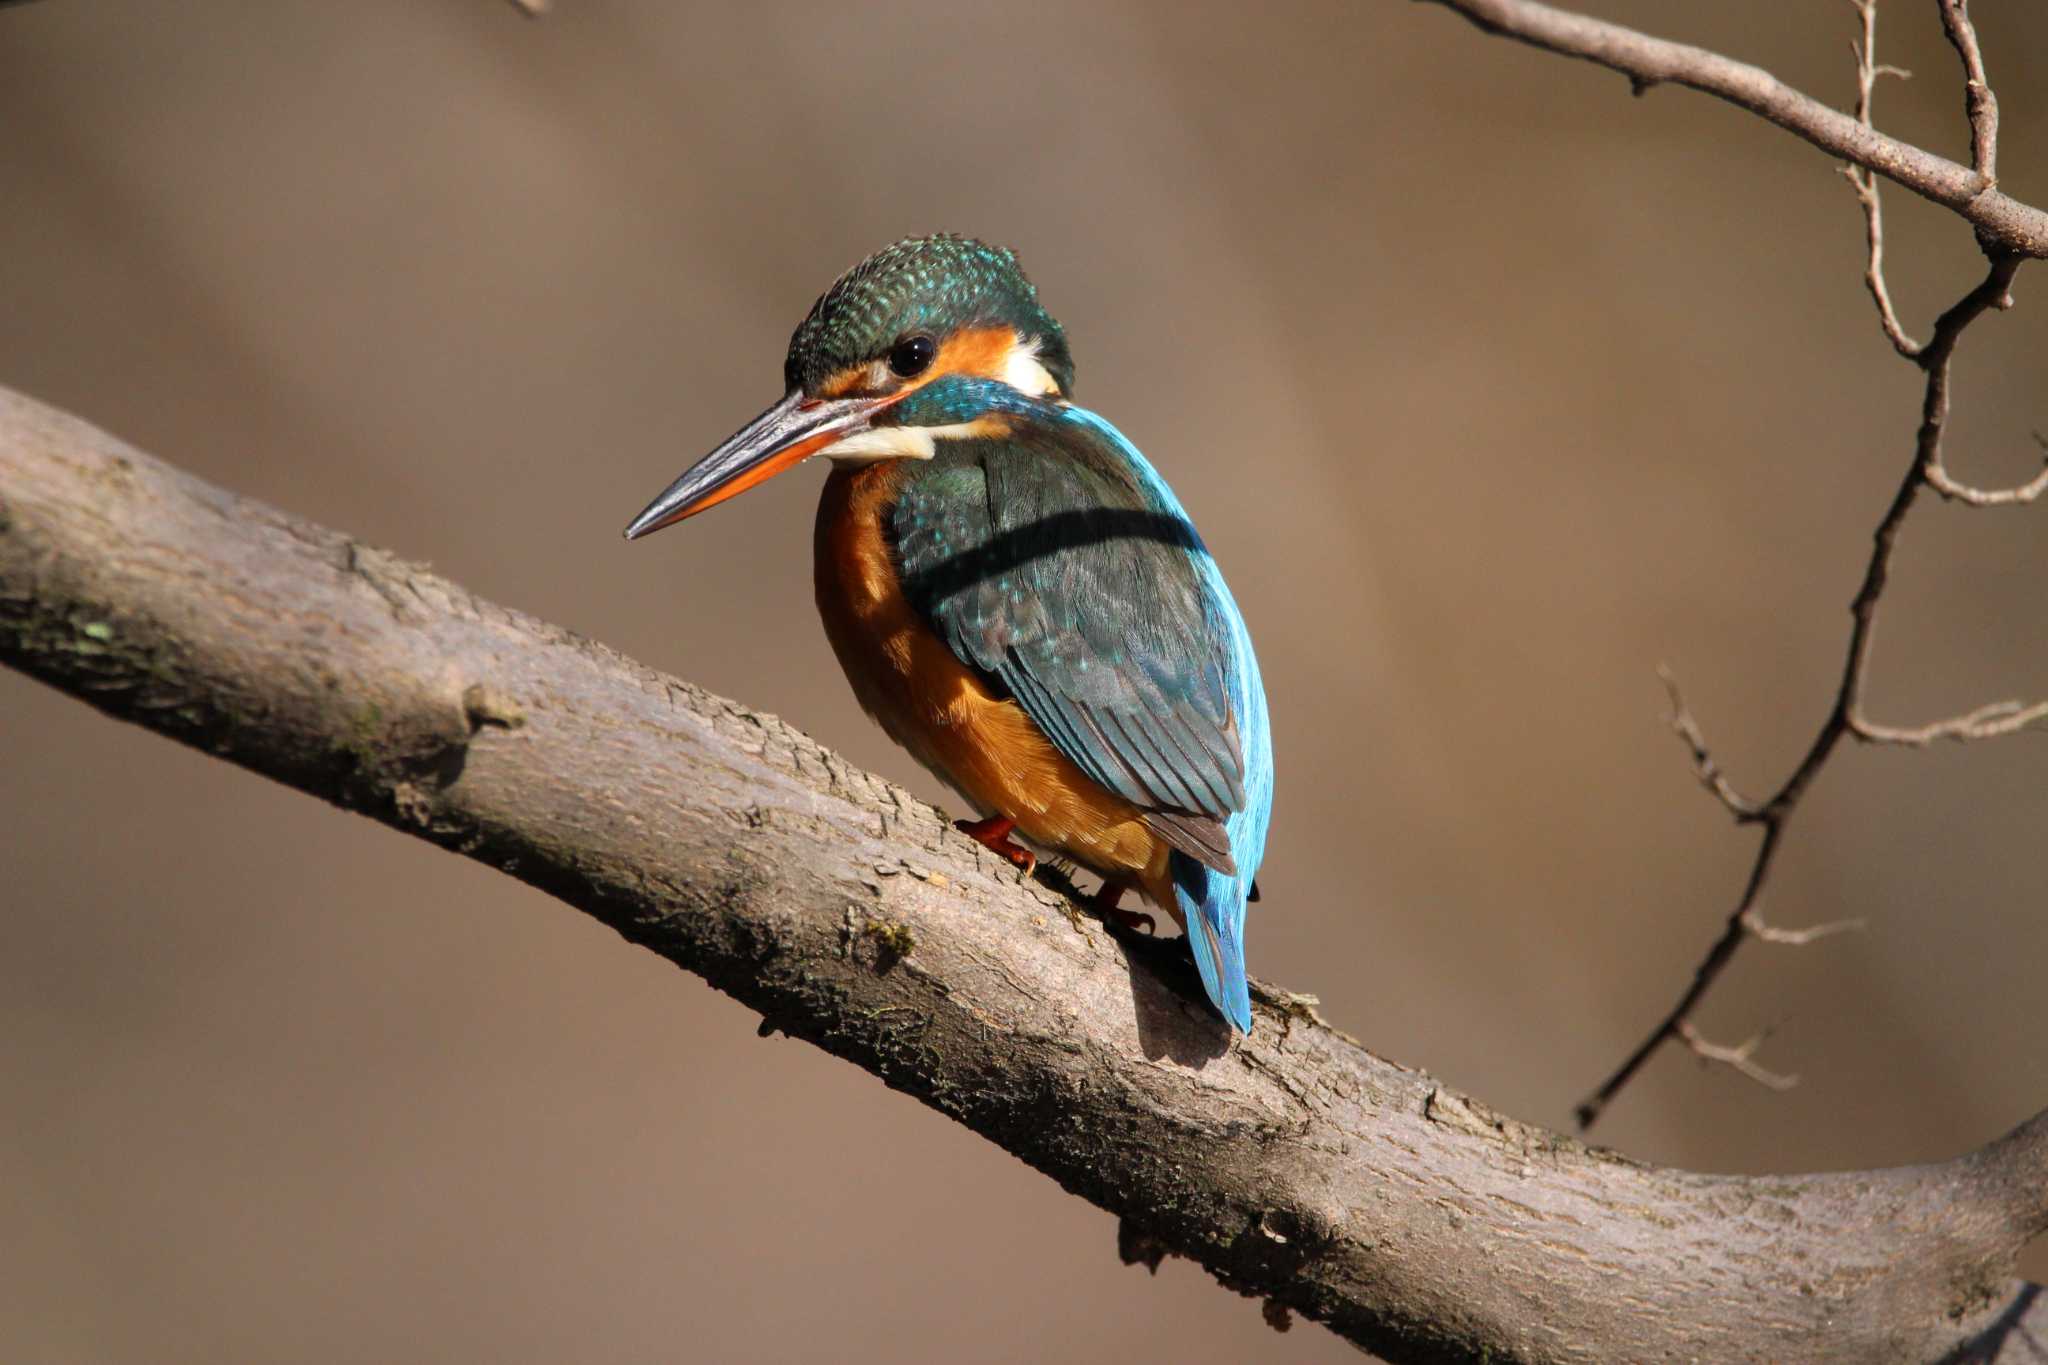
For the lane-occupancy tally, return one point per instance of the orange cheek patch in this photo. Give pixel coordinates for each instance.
(980, 351)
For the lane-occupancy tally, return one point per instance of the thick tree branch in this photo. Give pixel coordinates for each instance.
(1295, 1164)
(2003, 223)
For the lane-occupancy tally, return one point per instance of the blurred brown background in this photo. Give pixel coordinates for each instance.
(1491, 388)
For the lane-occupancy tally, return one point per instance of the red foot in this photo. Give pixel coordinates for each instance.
(1104, 904)
(994, 835)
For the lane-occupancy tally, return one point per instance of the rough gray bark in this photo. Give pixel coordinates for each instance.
(1296, 1164)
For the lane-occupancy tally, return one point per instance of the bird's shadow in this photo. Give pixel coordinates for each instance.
(1168, 1003)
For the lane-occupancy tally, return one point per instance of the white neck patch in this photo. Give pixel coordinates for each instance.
(1022, 372)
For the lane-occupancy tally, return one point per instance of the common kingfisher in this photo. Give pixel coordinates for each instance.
(1015, 594)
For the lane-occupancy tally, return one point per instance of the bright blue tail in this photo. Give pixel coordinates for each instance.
(1213, 905)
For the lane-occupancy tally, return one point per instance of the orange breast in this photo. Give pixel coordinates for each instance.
(983, 746)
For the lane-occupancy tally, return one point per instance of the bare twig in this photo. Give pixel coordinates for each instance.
(1986, 722)
(1678, 1020)
(2002, 223)
(1754, 921)
(1704, 766)
(1978, 101)
(1938, 478)
(1873, 271)
(1868, 69)
(1741, 1057)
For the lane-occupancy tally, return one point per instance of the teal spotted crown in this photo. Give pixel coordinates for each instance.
(934, 285)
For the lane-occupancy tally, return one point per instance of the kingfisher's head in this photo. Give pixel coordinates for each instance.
(922, 340)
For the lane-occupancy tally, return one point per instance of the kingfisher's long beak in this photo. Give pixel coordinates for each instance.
(780, 438)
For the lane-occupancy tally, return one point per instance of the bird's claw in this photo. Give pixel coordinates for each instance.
(1104, 903)
(993, 834)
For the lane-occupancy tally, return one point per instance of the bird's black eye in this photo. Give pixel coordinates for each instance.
(912, 356)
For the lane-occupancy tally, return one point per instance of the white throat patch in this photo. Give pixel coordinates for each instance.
(885, 443)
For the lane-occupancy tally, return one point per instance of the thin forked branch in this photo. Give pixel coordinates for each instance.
(1704, 765)
(1742, 1057)
(1934, 359)
(1864, 180)
(1845, 716)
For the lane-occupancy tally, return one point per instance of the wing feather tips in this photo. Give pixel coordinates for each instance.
(1221, 788)
(1201, 837)
(1147, 758)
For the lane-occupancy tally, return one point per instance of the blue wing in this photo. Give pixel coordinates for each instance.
(1057, 562)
